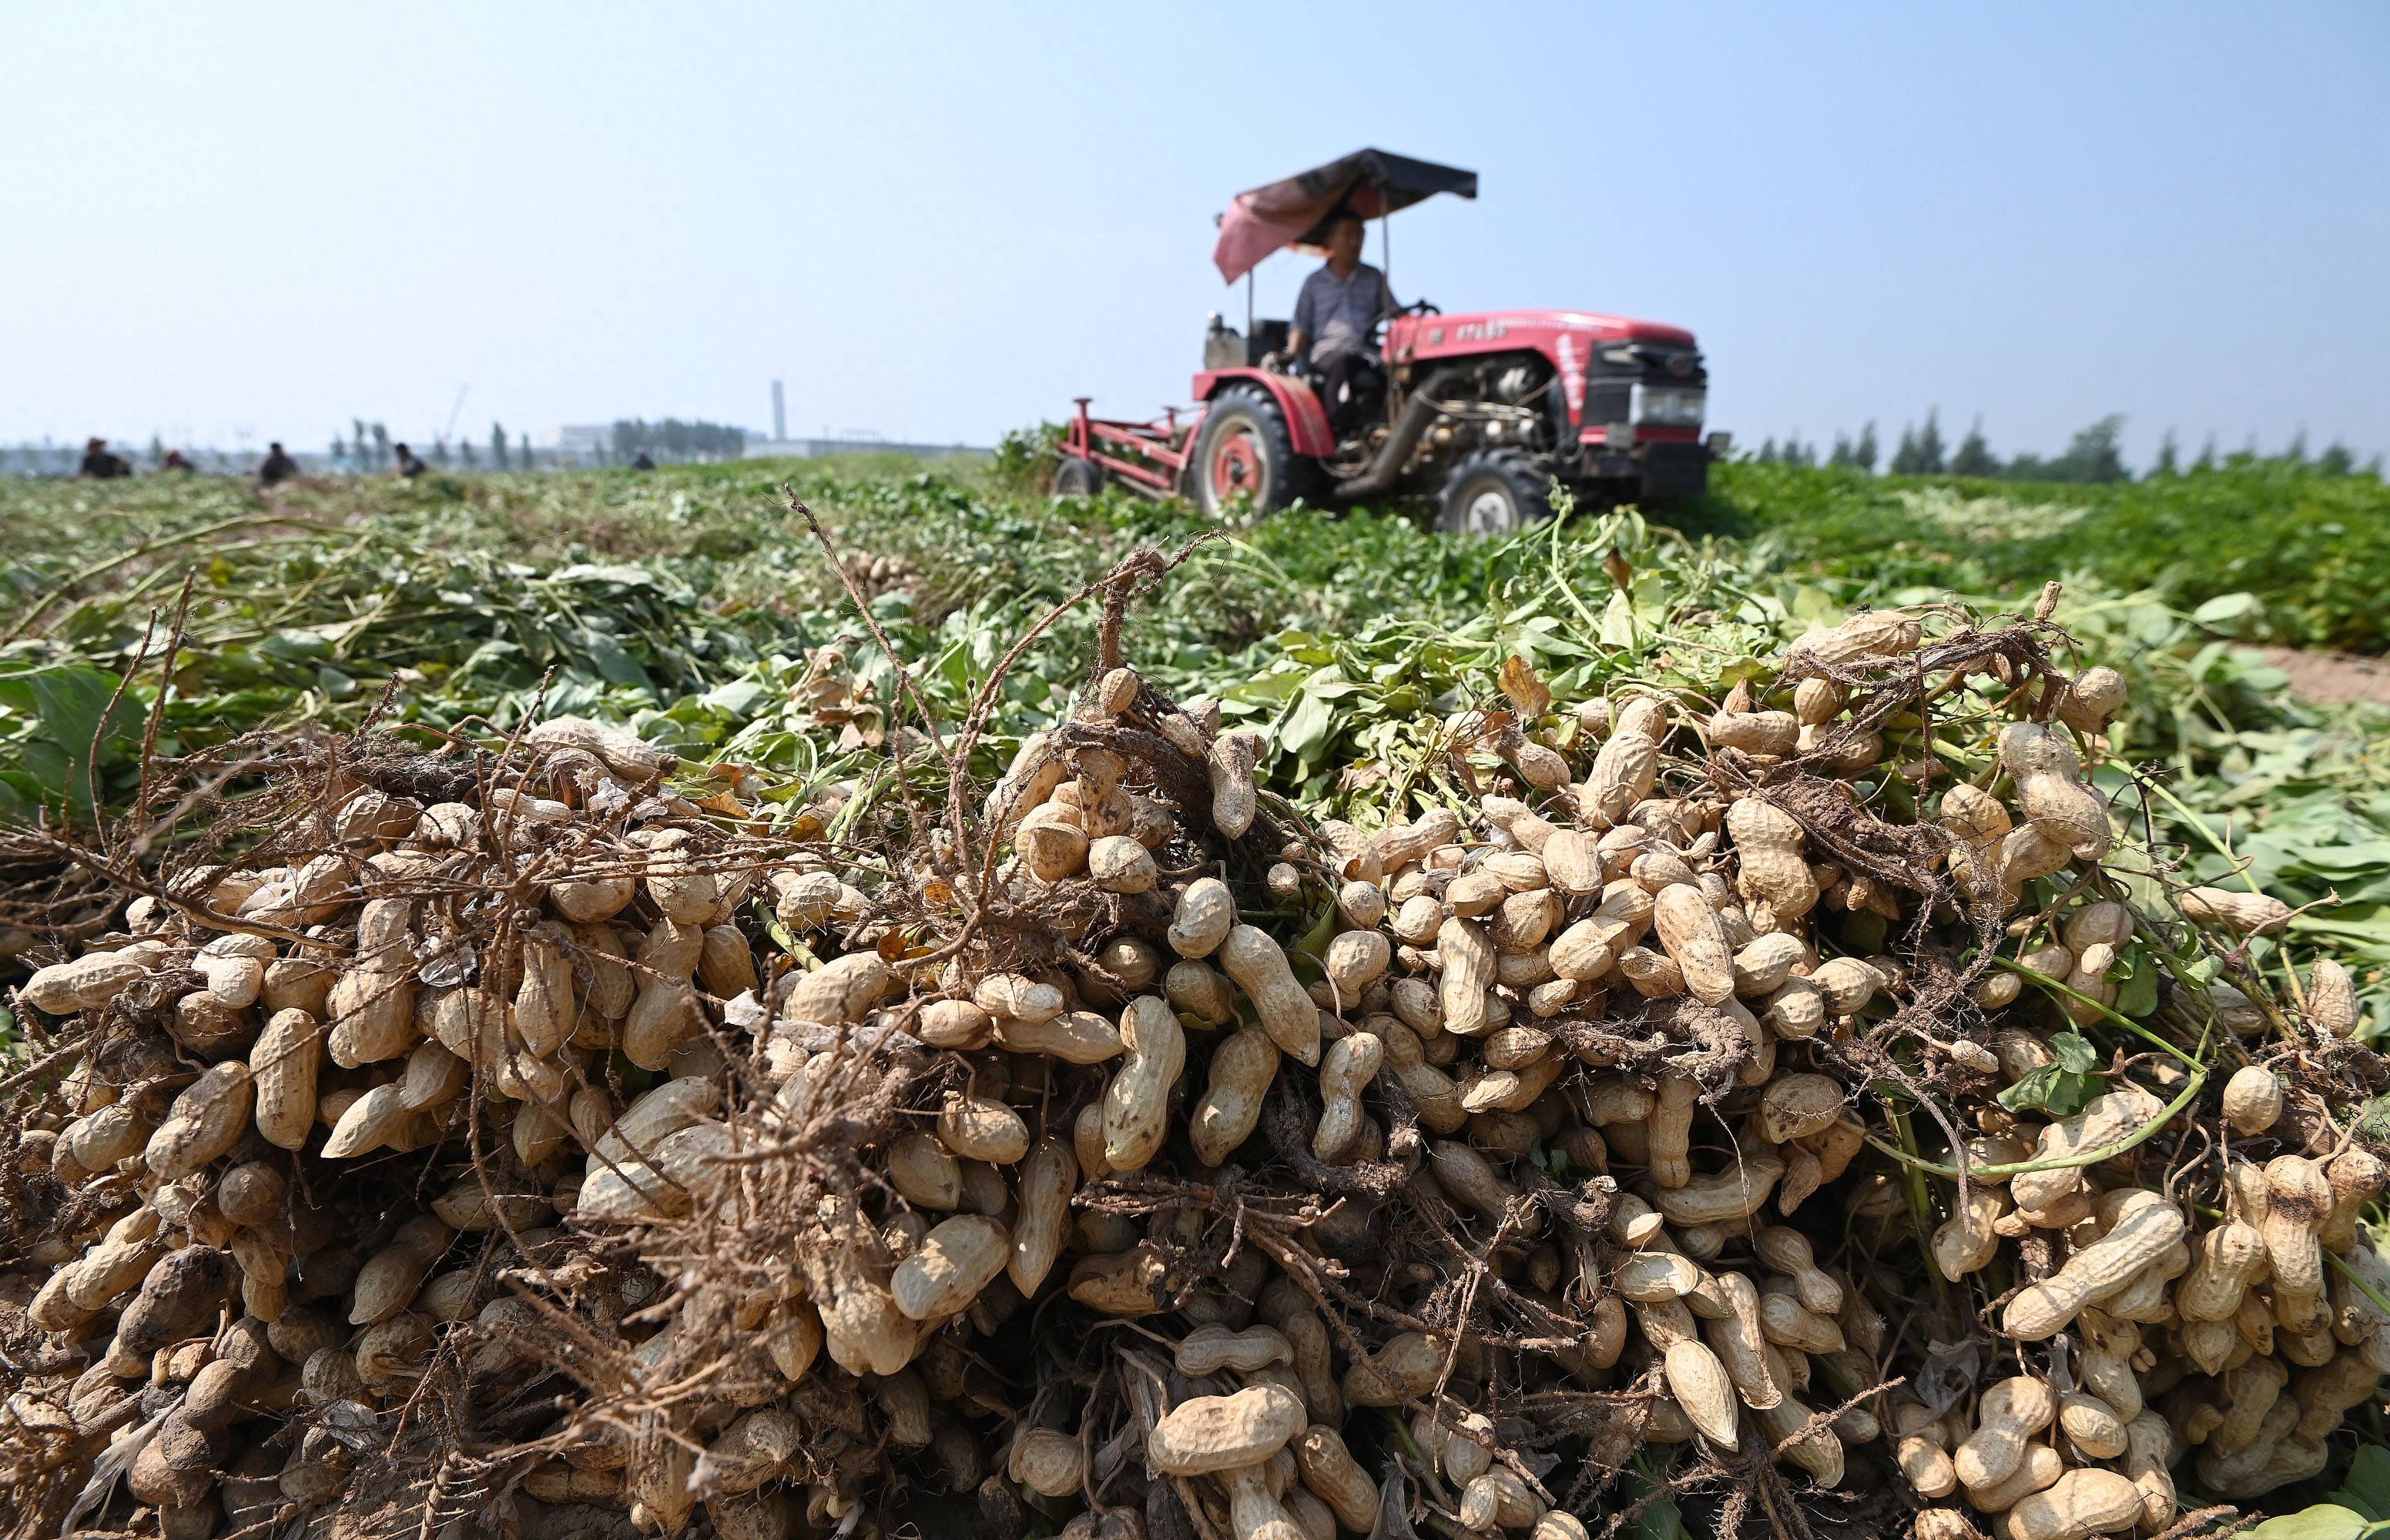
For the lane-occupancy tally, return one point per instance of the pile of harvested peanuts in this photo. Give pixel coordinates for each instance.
(1799, 1097)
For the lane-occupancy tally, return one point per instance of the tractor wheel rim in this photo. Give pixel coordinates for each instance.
(1237, 466)
(1487, 513)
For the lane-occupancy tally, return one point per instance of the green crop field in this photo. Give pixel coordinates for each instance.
(689, 602)
(2259, 549)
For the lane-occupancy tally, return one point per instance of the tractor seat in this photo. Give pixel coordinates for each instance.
(1227, 348)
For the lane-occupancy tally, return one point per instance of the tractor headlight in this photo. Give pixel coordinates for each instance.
(1670, 405)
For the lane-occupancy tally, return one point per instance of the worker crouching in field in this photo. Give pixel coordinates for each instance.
(99, 464)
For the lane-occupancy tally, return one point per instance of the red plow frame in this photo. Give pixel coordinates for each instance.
(1149, 457)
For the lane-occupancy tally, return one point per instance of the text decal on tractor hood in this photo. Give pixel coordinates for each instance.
(1572, 374)
(1481, 331)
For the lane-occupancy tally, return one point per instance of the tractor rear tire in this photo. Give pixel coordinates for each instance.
(1494, 492)
(1077, 477)
(1245, 454)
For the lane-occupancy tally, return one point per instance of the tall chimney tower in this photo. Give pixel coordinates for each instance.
(780, 415)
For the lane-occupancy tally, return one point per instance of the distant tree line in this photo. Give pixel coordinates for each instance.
(51, 459)
(370, 447)
(2093, 454)
(674, 439)
(365, 448)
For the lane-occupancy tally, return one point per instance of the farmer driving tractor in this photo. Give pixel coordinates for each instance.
(1484, 411)
(1335, 328)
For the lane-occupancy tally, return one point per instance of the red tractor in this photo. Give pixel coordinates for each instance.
(1480, 411)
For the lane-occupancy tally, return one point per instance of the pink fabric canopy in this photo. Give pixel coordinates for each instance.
(1296, 212)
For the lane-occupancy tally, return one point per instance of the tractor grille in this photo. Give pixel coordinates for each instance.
(1607, 400)
(1675, 470)
(1609, 380)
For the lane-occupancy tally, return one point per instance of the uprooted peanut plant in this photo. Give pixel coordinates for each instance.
(1804, 1106)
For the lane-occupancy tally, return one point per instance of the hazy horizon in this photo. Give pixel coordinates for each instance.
(253, 223)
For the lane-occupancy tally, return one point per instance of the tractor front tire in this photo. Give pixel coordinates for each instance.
(1494, 492)
(1245, 456)
(1077, 477)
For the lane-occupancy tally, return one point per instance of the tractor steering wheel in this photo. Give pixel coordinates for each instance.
(1422, 307)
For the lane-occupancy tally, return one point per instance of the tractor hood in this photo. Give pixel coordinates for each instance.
(1296, 212)
(1597, 358)
(1570, 337)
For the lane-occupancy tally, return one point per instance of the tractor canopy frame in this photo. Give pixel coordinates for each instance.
(1297, 210)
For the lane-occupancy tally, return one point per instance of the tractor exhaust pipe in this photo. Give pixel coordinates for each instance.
(1418, 413)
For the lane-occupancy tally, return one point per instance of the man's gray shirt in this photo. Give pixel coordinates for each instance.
(1342, 314)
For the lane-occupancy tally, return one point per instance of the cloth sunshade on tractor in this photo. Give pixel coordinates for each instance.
(1296, 212)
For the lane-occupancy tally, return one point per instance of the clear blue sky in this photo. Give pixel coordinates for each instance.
(942, 221)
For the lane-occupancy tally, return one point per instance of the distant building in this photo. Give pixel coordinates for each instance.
(590, 439)
(803, 449)
(595, 442)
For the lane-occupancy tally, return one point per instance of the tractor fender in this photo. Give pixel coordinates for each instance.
(1306, 419)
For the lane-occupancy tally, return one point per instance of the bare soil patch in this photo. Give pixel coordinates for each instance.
(2334, 678)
